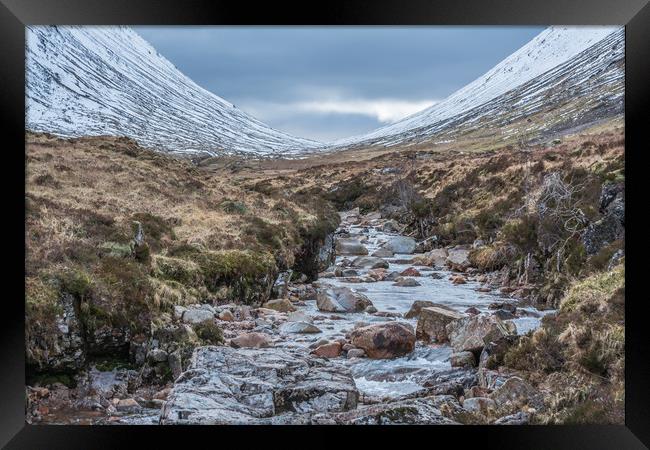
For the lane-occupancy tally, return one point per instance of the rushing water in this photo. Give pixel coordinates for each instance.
(375, 378)
(404, 375)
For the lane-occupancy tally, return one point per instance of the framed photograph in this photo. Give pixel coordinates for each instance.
(261, 219)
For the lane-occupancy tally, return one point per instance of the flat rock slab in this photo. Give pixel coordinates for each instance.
(257, 386)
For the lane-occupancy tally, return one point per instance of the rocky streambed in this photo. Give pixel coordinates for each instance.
(388, 334)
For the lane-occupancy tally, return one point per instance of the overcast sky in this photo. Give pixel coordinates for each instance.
(326, 83)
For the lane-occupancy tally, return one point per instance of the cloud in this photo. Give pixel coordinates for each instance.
(384, 110)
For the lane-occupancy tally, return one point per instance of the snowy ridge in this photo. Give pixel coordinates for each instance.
(108, 80)
(556, 47)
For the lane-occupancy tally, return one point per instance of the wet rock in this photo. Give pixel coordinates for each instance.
(472, 310)
(451, 382)
(330, 350)
(341, 299)
(280, 305)
(254, 386)
(251, 340)
(401, 244)
(418, 411)
(463, 359)
(371, 309)
(356, 353)
(370, 262)
(386, 340)
(435, 258)
(378, 274)
(350, 273)
(300, 327)
(406, 282)
(472, 332)
(458, 279)
(417, 306)
(458, 259)
(392, 276)
(503, 314)
(433, 321)
(299, 316)
(411, 272)
(383, 253)
(504, 306)
(437, 276)
(350, 247)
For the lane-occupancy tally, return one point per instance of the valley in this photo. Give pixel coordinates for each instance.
(188, 264)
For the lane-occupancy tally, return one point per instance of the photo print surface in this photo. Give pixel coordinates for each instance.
(325, 225)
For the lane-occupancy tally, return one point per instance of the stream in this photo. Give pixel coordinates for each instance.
(377, 379)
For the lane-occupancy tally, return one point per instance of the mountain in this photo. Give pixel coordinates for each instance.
(574, 73)
(110, 81)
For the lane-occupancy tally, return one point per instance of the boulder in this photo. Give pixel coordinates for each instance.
(341, 299)
(515, 393)
(377, 274)
(330, 350)
(370, 262)
(251, 340)
(416, 307)
(416, 411)
(458, 279)
(435, 258)
(462, 359)
(390, 226)
(280, 305)
(257, 386)
(406, 282)
(299, 327)
(197, 315)
(356, 353)
(226, 315)
(349, 273)
(458, 259)
(350, 247)
(471, 333)
(410, 272)
(401, 244)
(451, 382)
(383, 253)
(433, 321)
(299, 316)
(392, 276)
(386, 340)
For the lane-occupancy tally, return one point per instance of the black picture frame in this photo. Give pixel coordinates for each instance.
(15, 14)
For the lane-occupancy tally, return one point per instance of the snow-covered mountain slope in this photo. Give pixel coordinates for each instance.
(108, 80)
(583, 66)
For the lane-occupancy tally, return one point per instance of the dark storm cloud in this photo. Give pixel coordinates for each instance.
(267, 70)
